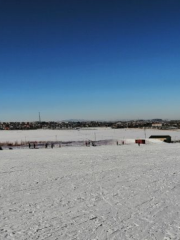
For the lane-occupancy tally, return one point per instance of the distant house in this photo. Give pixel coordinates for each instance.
(118, 125)
(164, 138)
(157, 125)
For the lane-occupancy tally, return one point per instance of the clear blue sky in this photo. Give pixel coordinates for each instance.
(89, 59)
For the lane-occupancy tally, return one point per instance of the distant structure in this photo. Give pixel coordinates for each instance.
(39, 117)
(140, 141)
(157, 125)
(164, 138)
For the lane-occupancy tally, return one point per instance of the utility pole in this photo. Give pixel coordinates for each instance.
(145, 132)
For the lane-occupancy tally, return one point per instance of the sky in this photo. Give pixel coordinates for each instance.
(89, 59)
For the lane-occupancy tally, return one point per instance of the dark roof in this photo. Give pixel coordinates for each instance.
(160, 136)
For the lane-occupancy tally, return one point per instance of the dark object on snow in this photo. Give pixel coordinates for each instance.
(10, 148)
(164, 138)
(87, 143)
(1, 148)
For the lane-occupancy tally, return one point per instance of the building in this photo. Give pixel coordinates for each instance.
(140, 141)
(164, 138)
(157, 125)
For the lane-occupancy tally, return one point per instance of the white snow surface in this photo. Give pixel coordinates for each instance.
(85, 193)
(83, 134)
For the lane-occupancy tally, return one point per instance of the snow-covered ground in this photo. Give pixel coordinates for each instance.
(108, 192)
(83, 134)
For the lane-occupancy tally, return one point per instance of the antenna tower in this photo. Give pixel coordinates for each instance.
(39, 117)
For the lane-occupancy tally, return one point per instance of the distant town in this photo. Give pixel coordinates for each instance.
(154, 123)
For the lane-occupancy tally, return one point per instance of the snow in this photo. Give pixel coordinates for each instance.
(83, 134)
(107, 192)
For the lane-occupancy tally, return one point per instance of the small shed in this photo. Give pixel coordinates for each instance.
(164, 138)
(140, 141)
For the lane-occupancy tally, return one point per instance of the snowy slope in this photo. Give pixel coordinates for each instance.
(110, 192)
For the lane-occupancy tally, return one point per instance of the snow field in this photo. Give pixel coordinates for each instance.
(82, 134)
(108, 192)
